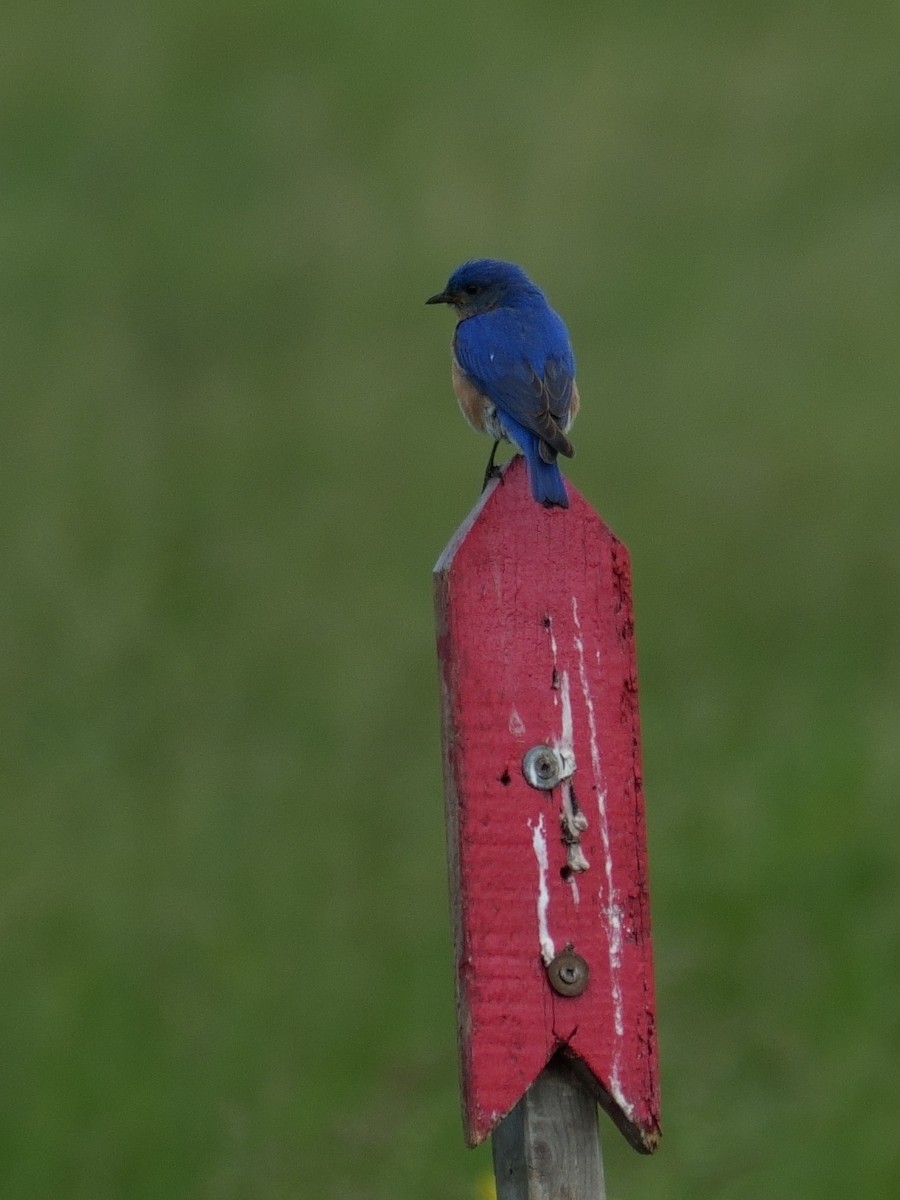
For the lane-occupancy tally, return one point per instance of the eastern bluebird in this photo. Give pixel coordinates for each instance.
(513, 369)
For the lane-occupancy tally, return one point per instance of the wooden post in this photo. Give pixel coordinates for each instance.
(550, 1139)
(546, 838)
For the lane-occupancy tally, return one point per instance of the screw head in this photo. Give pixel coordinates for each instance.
(568, 973)
(543, 767)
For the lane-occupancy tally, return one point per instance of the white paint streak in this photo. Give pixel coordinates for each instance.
(564, 743)
(565, 740)
(615, 1090)
(539, 842)
(612, 908)
(516, 724)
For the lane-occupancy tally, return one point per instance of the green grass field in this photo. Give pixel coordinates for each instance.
(230, 459)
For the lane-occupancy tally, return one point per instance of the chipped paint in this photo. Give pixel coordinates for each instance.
(573, 823)
(548, 625)
(612, 909)
(564, 744)
(539, 843)
(516, 725)
(615, 1090)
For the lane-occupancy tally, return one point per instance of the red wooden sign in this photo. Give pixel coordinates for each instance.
(545, 810)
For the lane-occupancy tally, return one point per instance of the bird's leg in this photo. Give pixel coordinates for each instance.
(491, 471)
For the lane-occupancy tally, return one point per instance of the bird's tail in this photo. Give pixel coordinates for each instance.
(547, 484)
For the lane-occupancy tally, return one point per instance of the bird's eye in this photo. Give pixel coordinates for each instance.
(471, 289)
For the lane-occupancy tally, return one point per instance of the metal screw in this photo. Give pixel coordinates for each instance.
(545, 767)
(568, 973)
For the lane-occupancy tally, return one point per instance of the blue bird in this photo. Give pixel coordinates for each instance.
(513, 369)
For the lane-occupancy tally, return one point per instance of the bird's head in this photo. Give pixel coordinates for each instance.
(483, 284)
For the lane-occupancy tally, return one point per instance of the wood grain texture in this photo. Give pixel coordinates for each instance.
(536, 645)
(548, 1147)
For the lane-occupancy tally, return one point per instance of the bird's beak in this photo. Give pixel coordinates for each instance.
(440, 298)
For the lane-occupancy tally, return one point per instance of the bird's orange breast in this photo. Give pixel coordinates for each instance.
(475, 406)
(574, 405)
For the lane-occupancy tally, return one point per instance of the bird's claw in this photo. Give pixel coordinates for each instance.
(491, 471)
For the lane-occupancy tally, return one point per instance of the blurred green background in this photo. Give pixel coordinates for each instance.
(230, 457)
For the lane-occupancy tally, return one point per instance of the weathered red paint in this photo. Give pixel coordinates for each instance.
(535, 623)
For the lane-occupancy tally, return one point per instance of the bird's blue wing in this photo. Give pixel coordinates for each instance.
(523, 362)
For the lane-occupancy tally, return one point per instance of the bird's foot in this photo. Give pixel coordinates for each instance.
(491, 471)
